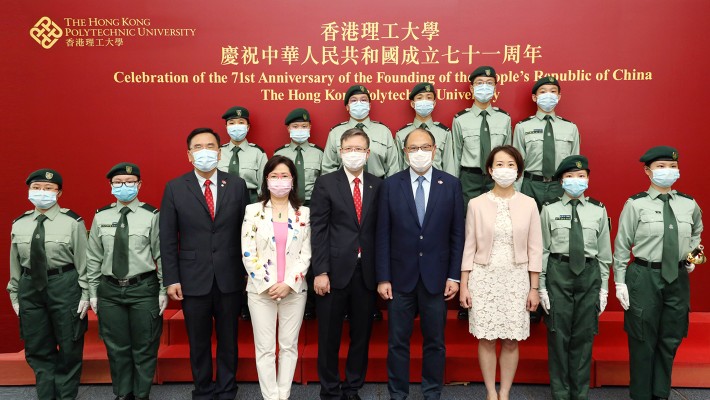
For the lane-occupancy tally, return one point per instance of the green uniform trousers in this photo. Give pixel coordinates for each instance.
(473, 185)
(571, 326)
(656, 323)
(130, 326)
(541, 191)
(53, 333)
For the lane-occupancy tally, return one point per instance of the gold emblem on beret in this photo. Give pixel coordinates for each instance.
(488, 72)
(305, 117)
(239, 113)
(427, 88)
(129, 169)
(579, 164)
(552, 79)
(48, 175)
(362, 89)
(675, 155)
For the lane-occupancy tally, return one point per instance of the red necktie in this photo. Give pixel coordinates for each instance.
(209, 199)
(357, 198)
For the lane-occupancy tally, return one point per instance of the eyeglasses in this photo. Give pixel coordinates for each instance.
(414, 149)
(127, 184)
(351, 149)
(199, 147)
(481, 83)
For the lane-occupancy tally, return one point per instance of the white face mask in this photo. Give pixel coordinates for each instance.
(504, 177)
(359, 109)
(483, 93)
(237, 132)
(299, 135)
(665, 177)
(420, 161)
(354, 160)
(424, 107)
(42, 199)
(205, 160)
(547, 101)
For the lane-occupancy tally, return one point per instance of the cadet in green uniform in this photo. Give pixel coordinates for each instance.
(574, 279)
(125, 288)
(384, 156)
(48, 287)
(308, 158)
(239, 157)
(423, 100)
(662, 226)
(475, 131)
(544, 140)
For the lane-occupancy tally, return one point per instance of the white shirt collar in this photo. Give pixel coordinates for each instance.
(351, 177)
(413, 175)
(202, 180)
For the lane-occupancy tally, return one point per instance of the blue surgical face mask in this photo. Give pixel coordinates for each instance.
(575, 186)
(125, 193)
(205, 160)
(42, 199)
(359, 109)
(237, 132)
(483, 93)
(547, 101)
(299, 135)
(424, 107)
(665, 177)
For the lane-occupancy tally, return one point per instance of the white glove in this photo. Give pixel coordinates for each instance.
(544, 300)
(82, 309)
(94, 304)
(690, 267)
(162, 303)
(622, 293)
(603, 294)
(16, 307)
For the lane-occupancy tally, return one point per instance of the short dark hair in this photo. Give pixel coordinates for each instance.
(431, 135)
(198, 131)
(511, 151)
(354, 132)
(270, 166)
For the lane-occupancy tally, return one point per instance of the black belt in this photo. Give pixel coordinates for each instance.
(472, 170)
(535, 177)
(54, 271)
(653, 265)
(564, 258)
(130, 281)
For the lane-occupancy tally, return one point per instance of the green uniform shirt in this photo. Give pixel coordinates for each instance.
(465, 145)
(641, 228)
(384, 157)
(528, 139)
(143, 243)
(65, 243)
(312, 159)
(441, 133)
(556, 219)
(252, 159)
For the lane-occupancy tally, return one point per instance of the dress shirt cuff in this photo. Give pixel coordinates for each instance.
(454, 280)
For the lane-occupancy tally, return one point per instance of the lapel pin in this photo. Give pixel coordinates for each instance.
(224, 182)
(440, 182)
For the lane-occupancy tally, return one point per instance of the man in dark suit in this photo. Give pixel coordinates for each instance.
(420, 238)
(343, 218)
(200, 227)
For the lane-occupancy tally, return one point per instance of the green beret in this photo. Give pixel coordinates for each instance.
(298, 115)
(124, 168)
(571, 163)
(483, 71)
(45, 175)
(546, 80)
(659, 153)
(425, 87)
(355, 89)
(236, 112)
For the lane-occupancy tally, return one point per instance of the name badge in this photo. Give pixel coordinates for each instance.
(564, 218)
(113, 225)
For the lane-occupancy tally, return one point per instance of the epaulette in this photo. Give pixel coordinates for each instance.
(501, 110)
(378, 122)
(108, 207)
(257, 146)
(687, 196)
(282, 147)
(547, 203)
(337, 125)
(316, 146)
(409, 124)
(26, 213)
(225, 145)
(71, 214)
(442, 126)
(462, 112)
(639, 196)
(595, 202)
(148, 207)
(527, 119)
(566, 120)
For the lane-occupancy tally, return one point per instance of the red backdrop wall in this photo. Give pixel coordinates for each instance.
(63, 108)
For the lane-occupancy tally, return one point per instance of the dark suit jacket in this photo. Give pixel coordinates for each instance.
(406, 250)
(195, 251)
(335, 232)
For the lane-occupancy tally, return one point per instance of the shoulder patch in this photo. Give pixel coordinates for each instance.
(595, 202)
(108, 207)
(148, 207)
(442, 126)
(26, 213)
(257, 146)
(71, 214)
(337, 125)
(316, 146)
(462, 112)
(225, 145)
(409, 124)
(687, 196)
(639, 196)
(547, 203)
(501, 110)
(282, 147)
(378, 122)
(558, 117)
(527, 119)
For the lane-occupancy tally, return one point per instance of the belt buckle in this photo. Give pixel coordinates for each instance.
(122, 282)
(546, 179)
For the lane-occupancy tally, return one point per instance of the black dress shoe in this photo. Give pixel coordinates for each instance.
(376, 316)
(245, 314)
(129, 396)
(463, 314)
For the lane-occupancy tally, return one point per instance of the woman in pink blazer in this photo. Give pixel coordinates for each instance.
(501, 265)
(276, 241)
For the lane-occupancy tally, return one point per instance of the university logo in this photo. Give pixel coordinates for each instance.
(46, 32)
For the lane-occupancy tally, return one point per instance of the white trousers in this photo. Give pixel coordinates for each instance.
(265, 313)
